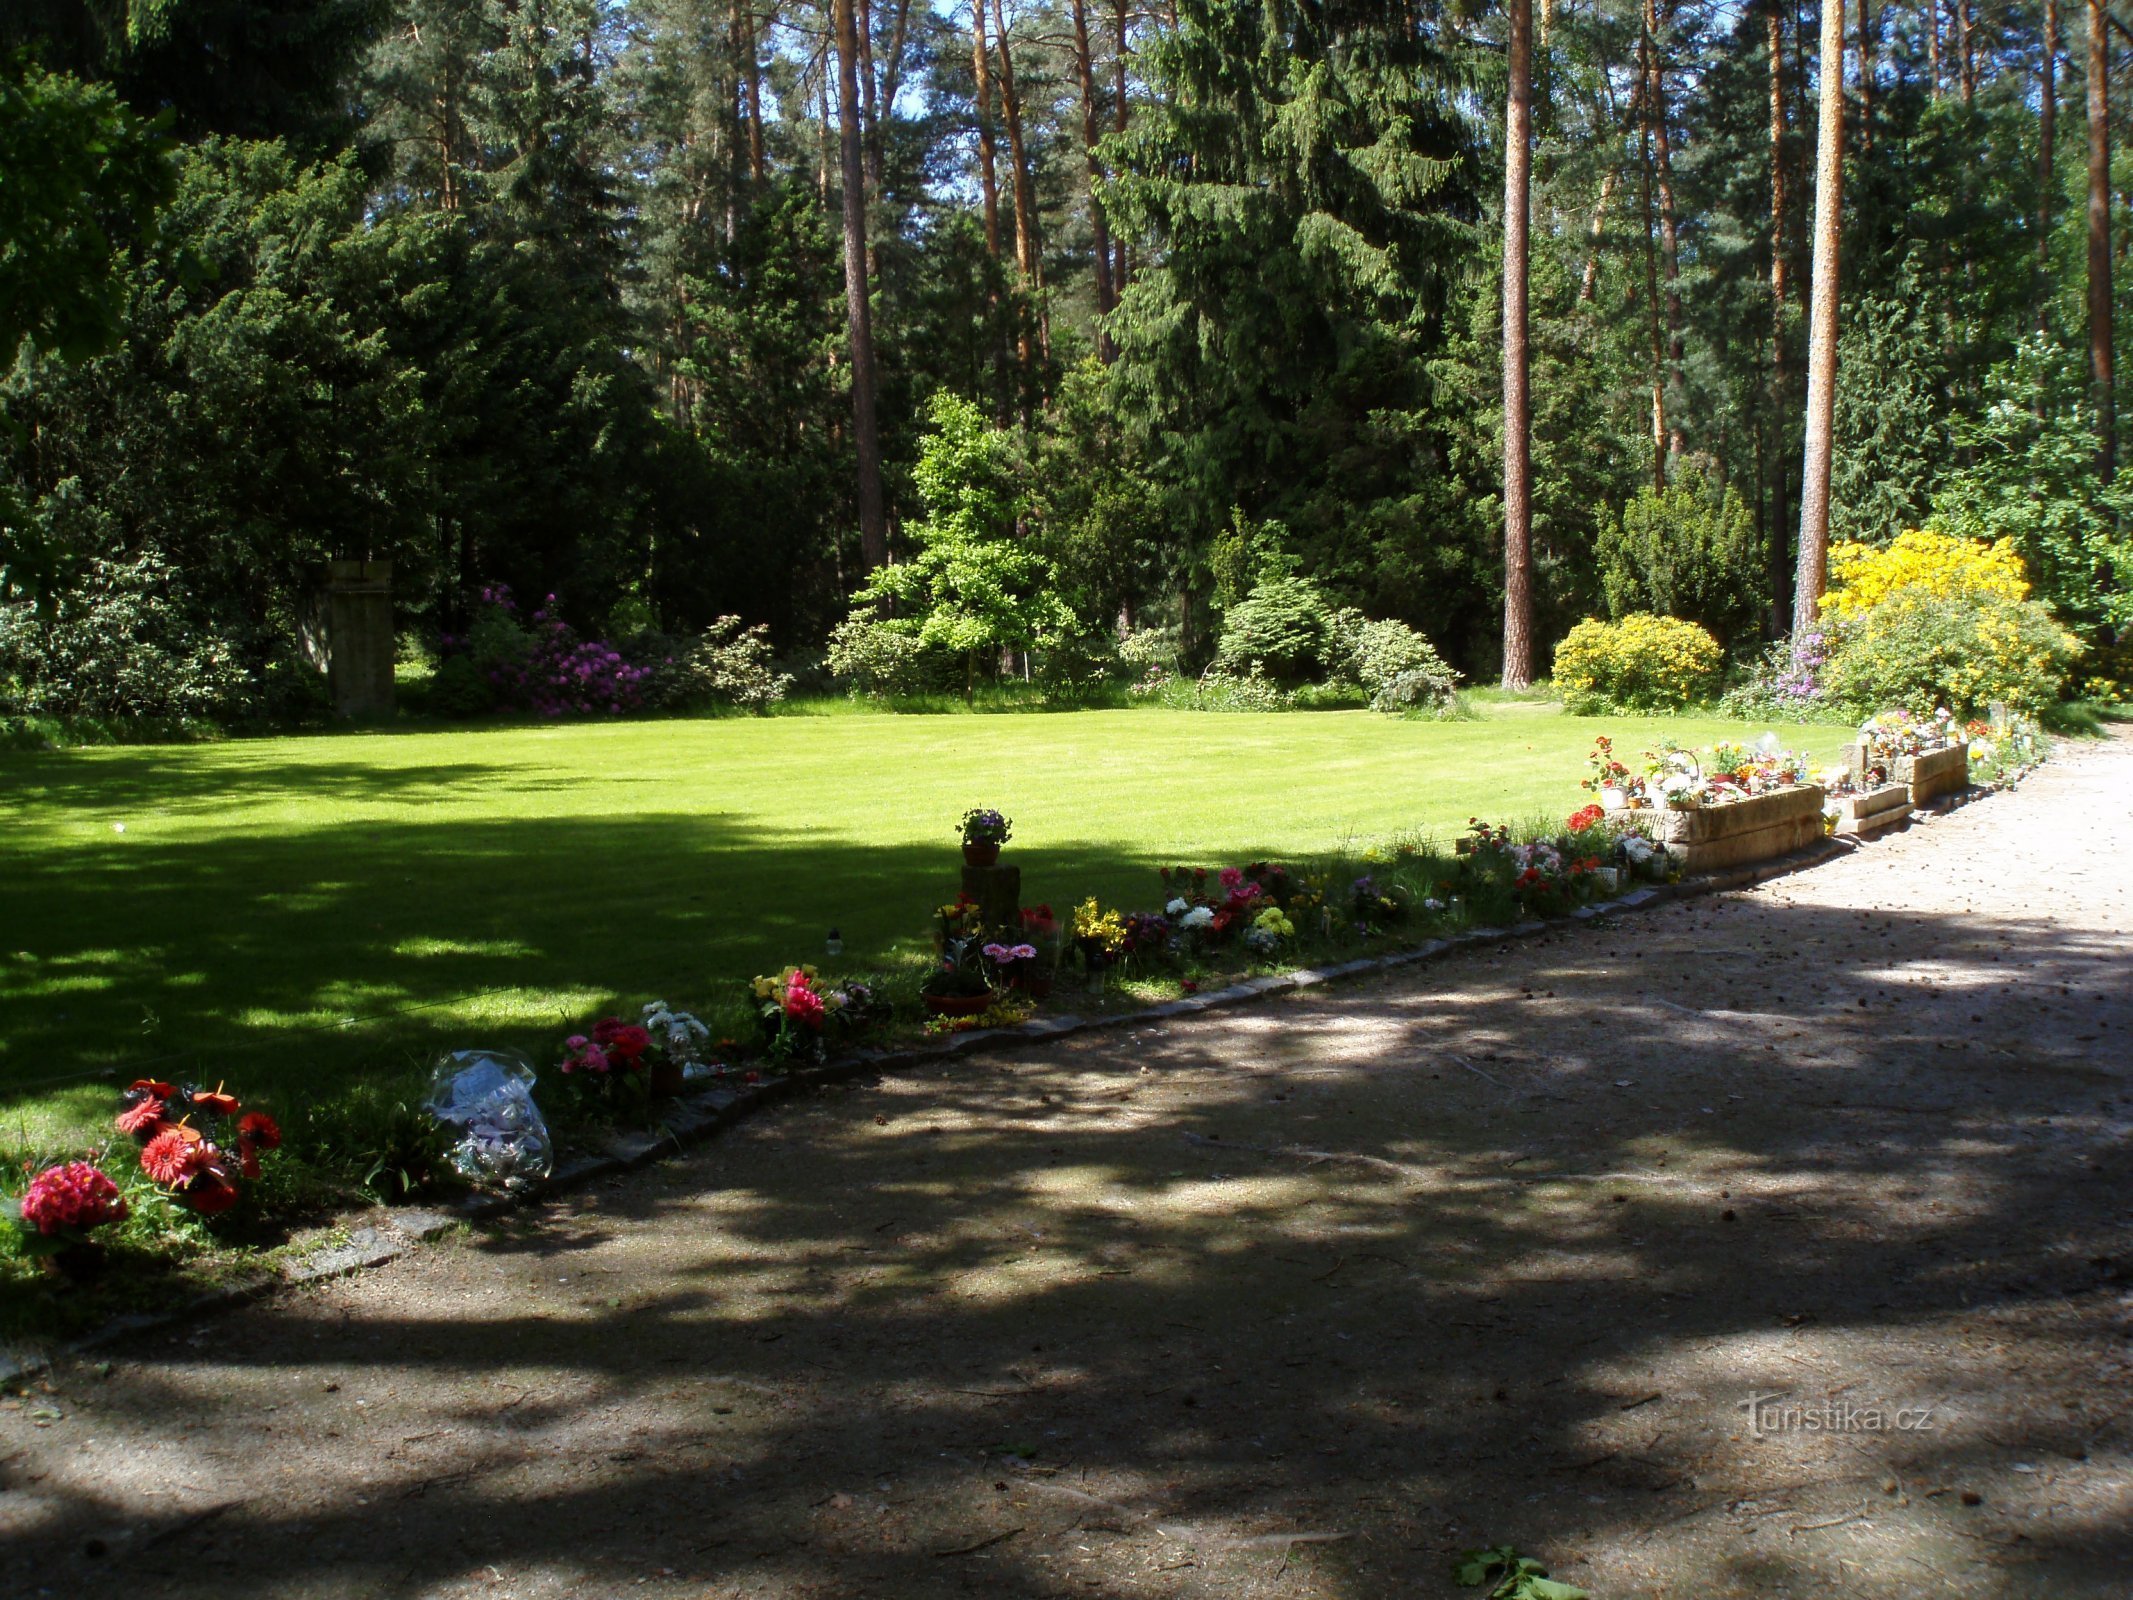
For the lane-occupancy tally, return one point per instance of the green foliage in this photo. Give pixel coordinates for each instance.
(1642, 663)
(1920, 652)
(2032, 477)
(1689, 551)
(1511, 1576)
(375, 1139)
(84, 178)
(728, 667)
(123, 642)
(1890, 440)
(972, 586)
(1281, 630)
(1396, 666)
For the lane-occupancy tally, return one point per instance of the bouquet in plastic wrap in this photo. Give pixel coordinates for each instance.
(487, 1095)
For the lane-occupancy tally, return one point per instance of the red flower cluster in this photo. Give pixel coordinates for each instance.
(71, 1199)
(615, 1047)
(1585, 817)
(185, 1159)
(802, 1004)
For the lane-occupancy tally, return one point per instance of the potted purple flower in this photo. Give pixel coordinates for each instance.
(984, 831)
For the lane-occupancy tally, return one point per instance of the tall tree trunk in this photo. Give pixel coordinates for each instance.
(2101, 379)
(988, 145)
(1517, 399)
(1967, 65)
(1780, 332)
(892, 77)
(1822, 333)
(1099, 230)
(2047, 168)
(1119, 112)
(1025, 198)
(1651, 263)
(1591, 282)
(873, 527)
(744, 50)
(1866, 77)
(1655, 107)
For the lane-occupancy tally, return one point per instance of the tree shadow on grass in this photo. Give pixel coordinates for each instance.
(1096, 1317)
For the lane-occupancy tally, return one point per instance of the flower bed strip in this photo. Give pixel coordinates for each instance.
(386, 1233)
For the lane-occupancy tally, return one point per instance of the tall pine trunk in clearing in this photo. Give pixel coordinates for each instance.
(1099, 230)
(2101, 377)
(1780, 330)
(866, 441)
(1822, 333)
(1517, 398)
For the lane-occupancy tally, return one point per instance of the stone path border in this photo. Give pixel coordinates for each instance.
(392, 1231)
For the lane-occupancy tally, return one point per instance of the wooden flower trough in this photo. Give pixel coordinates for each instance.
(1709, 837)
(1935, 773)
(1860, 814)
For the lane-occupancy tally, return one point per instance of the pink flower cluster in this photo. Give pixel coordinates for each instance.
(71, 1199)
(615, 1047)
(803, 1004)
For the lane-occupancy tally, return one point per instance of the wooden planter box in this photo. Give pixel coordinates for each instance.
(1935, 773)
(1872, 811)
(1770, 825)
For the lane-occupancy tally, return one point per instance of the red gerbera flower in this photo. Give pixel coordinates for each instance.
(210, 1192)
(626, 1044)
(174, 1155)
(261, 1129)
(141, 1119)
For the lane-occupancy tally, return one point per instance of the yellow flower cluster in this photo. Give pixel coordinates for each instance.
(1642, 663)
(1108, 928)
(774, 988)
(1861, 576)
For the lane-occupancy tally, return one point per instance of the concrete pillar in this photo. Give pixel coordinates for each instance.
(359, 637)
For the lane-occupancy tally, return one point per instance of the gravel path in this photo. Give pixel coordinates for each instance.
(1293, 1300)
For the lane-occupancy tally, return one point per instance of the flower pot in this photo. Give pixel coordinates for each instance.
(1613, 799)
(980, 855)
(664, 1079)
(956, 1005)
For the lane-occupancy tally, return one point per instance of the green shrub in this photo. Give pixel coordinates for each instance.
(886, 657)
(1642, 663)
(729, 665)
(121, 644)
(1687, 551)
(1921, 651)
(1397, 667)
(457, 689)
(1282, 630)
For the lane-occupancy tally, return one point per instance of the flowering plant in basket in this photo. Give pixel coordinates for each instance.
(197, 1144)
(62, 1205)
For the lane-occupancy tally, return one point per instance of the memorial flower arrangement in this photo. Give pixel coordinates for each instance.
(1377, 906)
(1270, 930)
(198, 1145)
(63, 1205)
(1893, 734)
(981, 825)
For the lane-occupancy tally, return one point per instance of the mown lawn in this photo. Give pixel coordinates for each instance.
(291, 913)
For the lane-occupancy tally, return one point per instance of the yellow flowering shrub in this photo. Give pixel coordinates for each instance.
(1862, 576)
(1642, 663)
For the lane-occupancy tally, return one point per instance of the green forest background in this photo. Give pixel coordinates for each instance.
(1165, 302)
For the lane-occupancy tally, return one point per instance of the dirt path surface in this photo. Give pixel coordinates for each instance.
(1295, 1300)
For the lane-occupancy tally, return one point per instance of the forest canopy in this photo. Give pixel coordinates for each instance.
(672, 311)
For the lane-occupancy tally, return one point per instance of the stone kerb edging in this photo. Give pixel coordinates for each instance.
(388, 1232)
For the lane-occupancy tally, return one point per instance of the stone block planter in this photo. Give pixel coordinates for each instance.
(1935, 773)
(1860, 814)
(1710, 837)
